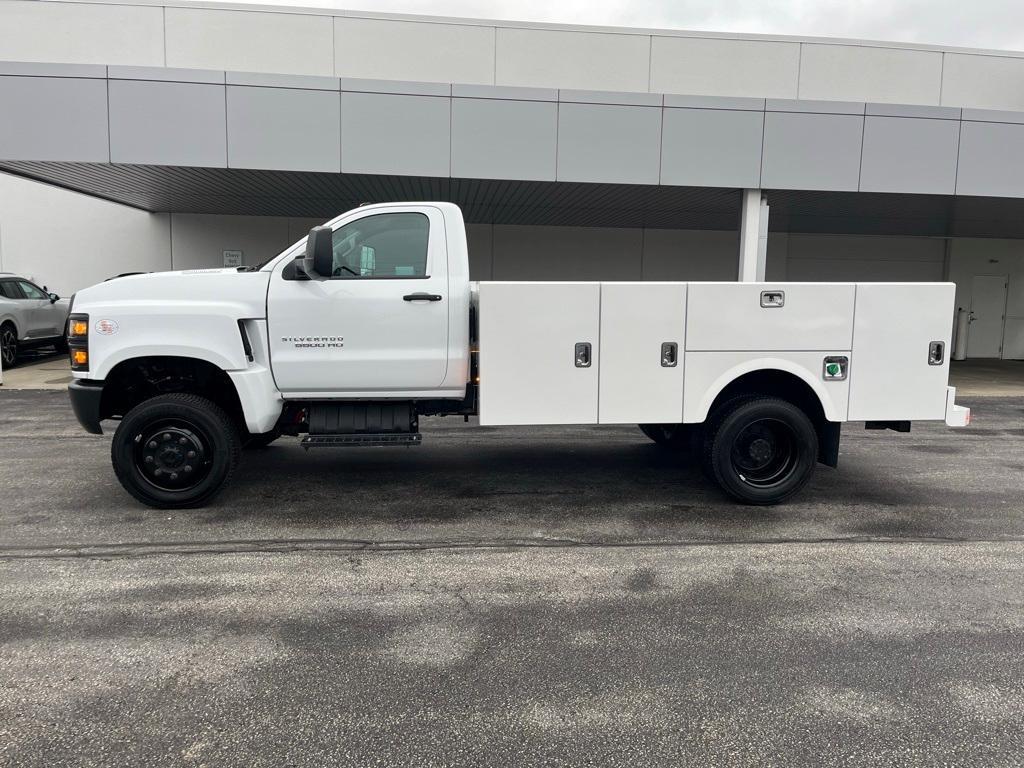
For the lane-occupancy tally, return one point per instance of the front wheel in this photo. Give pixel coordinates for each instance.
(763, 451)
(175, 451)
(8, 345)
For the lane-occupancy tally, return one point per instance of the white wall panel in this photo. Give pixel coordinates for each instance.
(384, 49)
(724, 67)
(867, 73)
(250, 41)
(108, 238)
(983, 82)
(680, 254)
(813, 258)
(565, 59)
(566, 253)
(81, 33)
(201, 239)
(990, 256)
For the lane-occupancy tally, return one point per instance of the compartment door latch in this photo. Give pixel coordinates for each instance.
(583, 354)
(669, 354)
(771, 299)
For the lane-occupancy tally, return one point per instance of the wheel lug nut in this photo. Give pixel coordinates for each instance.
(182, 441)
(152, 444)
(158, 472)
(174, 475)
(191, 454)
(188, 468)
(149, 459)
(166, 436)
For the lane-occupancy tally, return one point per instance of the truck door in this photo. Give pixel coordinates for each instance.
(379, 324)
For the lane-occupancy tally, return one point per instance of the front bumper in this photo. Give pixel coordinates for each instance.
(85, 397)
(956, 415)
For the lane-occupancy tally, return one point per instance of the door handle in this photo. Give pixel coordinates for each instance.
(421, 297)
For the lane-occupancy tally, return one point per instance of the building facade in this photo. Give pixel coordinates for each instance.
(145, 135)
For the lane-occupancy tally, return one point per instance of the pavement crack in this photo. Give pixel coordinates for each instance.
(105, 551)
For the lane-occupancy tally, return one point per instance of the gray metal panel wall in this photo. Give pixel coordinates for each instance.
(283, 129)
(711, 146)
(53, 118)
(386, 133)
(165, 116)
(160, 123)
(991, 160)
(609, 143)
(906, 154)
(811, 151)
(499, 139)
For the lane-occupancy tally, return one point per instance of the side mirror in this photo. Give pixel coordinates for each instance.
(54, 298)
(319, 258)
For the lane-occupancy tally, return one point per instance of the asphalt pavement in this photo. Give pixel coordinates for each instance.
(515, 596)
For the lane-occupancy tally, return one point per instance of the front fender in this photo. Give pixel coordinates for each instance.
(211, 335)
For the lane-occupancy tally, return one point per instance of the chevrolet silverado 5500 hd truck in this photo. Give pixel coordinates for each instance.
(370, 322)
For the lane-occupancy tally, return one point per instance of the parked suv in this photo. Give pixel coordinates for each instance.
(30, 316)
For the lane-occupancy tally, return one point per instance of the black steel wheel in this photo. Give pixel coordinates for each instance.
(763, 451)
(8, 345)
(175, 451)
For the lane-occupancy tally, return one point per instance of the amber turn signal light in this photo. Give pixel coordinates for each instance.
(79, 357)
(79, 328)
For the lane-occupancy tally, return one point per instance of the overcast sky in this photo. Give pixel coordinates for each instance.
(971, 23)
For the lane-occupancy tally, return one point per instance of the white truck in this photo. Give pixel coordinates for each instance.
(370, 322)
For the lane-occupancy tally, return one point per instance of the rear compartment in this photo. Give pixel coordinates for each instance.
(620, 353)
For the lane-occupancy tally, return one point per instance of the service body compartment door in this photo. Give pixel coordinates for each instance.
(642, 362)
(766, 317)
(890, 375)
(539, 352)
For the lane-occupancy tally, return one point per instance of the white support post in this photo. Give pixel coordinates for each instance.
(753, 237)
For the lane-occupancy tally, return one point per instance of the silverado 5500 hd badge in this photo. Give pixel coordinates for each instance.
(314, 342)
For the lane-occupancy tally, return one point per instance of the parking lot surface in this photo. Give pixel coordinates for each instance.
(555, 596)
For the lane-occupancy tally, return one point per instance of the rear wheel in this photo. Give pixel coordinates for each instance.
(762, 450)
(175, 451)
(8, 345)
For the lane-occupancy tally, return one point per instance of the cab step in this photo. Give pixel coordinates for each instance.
(361, 440)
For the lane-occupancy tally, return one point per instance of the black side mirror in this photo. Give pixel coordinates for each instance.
(319, 258)
(54, 298)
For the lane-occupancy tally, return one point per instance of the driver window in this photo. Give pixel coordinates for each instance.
(31, 292)
(386, 245)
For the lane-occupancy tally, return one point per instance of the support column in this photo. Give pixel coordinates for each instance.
(753, 237)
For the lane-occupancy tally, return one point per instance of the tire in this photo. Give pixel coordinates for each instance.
(675, 437)
(157, 439)
(704, 434)
(260, 440)
(763, 451)
(8, 345)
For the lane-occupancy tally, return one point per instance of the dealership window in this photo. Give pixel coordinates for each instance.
(388, 245)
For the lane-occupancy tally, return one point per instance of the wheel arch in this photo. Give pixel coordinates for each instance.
(787, 382)
(136, 379)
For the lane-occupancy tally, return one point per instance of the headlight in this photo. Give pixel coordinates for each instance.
(78, 342)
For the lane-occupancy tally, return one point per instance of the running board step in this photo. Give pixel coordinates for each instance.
(361, 440)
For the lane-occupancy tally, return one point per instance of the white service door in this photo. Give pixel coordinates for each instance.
(529, 334)
(890, 375)
(637, 385)
(366, 332)
(988, 308)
